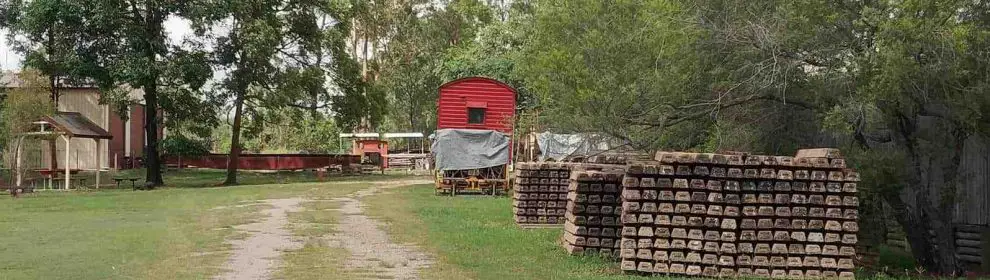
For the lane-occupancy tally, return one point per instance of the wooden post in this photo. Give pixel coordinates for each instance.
(17, 165)
(531, 147)
(99, 162)
(68, 149)
(47, 184)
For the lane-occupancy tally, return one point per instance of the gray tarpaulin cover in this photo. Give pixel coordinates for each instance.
(457, 149)
(561, 146)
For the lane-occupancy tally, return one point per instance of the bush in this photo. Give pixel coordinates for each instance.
(180, 145)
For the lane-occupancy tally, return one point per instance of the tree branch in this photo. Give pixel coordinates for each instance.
(676, 118)
(798, 103)
(308, 107)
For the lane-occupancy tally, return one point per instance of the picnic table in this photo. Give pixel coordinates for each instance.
(51, 176)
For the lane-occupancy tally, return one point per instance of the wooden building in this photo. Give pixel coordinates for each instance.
(124, 150)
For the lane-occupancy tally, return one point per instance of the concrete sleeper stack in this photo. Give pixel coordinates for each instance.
(740, 216)
(540, 193)
(592, 219)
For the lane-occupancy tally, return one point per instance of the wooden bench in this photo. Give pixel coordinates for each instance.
(132, 179)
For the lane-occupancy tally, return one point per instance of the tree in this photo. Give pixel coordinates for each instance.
(639, 77)
(272, 51)
(114, 44)
(921, 77)
(419, 40)
(21, 107)
(901, 81)
(47, 32)
(904, 81)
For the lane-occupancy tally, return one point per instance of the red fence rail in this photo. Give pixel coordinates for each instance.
(265, 161)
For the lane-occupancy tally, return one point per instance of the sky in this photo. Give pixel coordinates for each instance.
(10, 60)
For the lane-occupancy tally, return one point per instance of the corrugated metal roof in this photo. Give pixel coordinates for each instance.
(10, 79)
(76, 125)
(360, 135)
(382, 135)
(404, 135)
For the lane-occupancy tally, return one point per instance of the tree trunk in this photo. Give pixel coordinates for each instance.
(235, 141)
(364, 59)
(53, 154)
(52, 146)
(152, 162)
(152, 20)
(925, 204)
(930, 237)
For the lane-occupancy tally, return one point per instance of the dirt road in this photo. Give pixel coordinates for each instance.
(371, 252)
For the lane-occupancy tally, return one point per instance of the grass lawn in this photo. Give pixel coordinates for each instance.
(475, 237)
(171, 233)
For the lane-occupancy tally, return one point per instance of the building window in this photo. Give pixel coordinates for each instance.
(476, 115)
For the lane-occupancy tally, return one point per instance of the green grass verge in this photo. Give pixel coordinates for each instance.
(475, 237)
(895, 259)
(171, 233)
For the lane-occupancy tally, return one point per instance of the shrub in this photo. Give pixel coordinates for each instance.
(179, 145)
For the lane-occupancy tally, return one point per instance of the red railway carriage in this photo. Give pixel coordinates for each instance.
(475, 103)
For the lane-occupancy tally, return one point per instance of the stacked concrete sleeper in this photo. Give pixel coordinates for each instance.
(540, 193)
(733, 215)
(593, 206)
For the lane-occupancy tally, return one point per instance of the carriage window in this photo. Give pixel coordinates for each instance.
(476, 115)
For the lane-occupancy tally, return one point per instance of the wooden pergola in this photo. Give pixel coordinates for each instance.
(67, 125)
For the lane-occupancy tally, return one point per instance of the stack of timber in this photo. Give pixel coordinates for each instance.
(973, 247)
(593, 207)
(409, 161)
(741, 216)
(540, 193)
